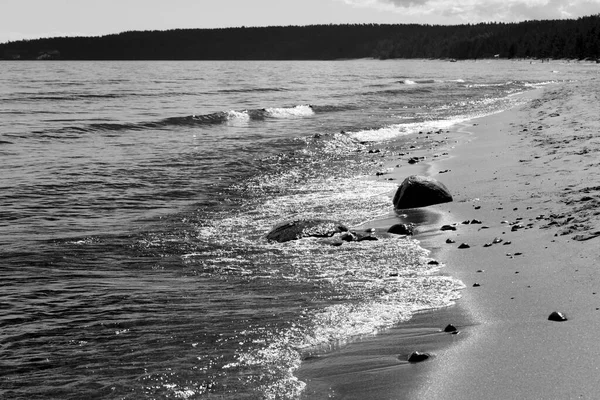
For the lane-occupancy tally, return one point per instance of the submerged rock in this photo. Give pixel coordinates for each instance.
(420, 191)
(402, 229)
(302, 228)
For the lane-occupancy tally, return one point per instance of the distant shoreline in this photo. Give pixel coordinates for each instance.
(548, 39)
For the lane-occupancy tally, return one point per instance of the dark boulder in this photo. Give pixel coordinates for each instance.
(302, 228)
(402, 229)
(420, 191)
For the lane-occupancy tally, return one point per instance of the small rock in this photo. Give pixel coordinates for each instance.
(449, 241)
(433, 262)
(475, 221)
(477, 207)
(417, 356)
(448, 228)
(557, 316)
(507, 243)
(487, 245)
(464, 246)
(476, 285)
(450, 328)
(497, 240)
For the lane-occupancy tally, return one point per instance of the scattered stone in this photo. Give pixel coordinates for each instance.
(417, 356)
(497, 240)
(302, 228)
(448, 228)
(479, 270)
(487, 245)
(449, 241)
(402, 229)
(557, 316)
(507, 243)
(516, 227)
(466, 222)
(477, 207)
(476, 221)
(464, 246)
(450, 328)
(518, 254)
(420, 191)
(433, 262)
(476, 285)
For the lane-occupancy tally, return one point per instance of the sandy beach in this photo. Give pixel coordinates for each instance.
(530, 176)
(527, 203)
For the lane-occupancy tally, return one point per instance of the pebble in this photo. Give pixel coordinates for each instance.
(448, 228)
(450, 241)
(557, 316)
(450, 328)
(417, 356)
(476, 285)
(464, 246)
(497, 240)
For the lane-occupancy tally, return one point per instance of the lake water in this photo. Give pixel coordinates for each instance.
(135, 198)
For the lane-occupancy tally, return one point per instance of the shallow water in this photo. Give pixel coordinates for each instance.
(136, 197)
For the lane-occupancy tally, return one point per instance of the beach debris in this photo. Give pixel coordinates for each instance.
(417, 356)
(464, 246)
(420, 191)
(557, 316)
(450, 241)
(301, 228)
(450, 329)
(402, 229)
(448, 228)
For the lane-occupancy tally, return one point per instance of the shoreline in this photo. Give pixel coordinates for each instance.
(521, 173)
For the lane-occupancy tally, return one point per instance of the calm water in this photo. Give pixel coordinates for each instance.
(135, 197)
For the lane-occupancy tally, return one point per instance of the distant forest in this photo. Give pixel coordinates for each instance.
(574, 39)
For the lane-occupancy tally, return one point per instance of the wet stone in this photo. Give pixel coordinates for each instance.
(449, 241)
(464, 246)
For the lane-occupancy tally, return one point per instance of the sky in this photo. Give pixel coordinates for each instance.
(29, 19)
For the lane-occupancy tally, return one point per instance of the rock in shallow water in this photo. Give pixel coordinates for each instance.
(302, 228)
(420, 191)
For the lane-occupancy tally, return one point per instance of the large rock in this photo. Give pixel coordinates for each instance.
(301, 228)
(420, 191)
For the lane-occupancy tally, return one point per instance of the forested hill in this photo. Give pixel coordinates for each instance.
(577, 39)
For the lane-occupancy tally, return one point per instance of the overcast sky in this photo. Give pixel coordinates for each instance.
(21, 19)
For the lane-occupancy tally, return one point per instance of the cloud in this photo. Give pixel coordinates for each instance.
(472, 11)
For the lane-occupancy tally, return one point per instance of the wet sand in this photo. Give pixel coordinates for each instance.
(530, 175)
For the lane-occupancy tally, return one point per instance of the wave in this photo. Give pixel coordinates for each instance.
(420, 81)
(221, 117)
(252, 90)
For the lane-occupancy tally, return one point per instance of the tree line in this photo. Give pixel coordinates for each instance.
(574, 39)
